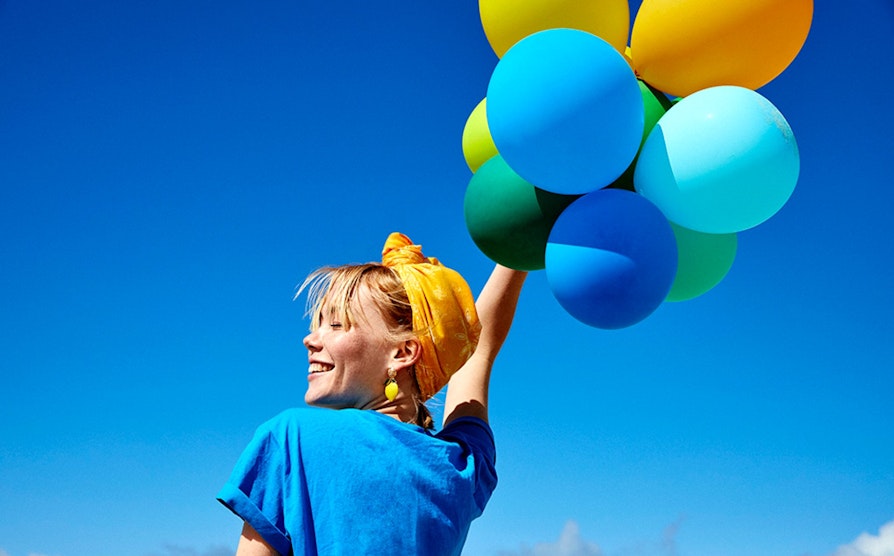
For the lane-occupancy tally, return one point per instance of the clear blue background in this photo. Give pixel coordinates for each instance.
(171, 170)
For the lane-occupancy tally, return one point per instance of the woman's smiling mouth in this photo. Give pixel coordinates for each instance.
(314, 368)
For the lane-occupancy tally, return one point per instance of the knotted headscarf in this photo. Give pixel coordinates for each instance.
(444, 317)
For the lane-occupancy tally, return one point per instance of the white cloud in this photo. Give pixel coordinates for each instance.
(669, 539)
(871, 545)
(176, 550)
(570, 543)
(5, 553)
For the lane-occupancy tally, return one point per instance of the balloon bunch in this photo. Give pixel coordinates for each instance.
(585, 166)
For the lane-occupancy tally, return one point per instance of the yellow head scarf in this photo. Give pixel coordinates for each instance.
(444, 317)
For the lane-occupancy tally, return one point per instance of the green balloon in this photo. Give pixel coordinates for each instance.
(656, 104)
(508, 218)
(703, 261)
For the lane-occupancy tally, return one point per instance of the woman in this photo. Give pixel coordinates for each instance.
(384, 337)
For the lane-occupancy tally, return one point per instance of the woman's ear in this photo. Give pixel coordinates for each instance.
(407, 353)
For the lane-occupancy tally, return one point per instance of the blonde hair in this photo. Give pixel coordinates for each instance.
(335, 288)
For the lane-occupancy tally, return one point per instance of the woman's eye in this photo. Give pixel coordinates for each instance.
(334, 325)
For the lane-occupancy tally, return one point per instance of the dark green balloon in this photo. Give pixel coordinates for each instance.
(655, 104)
(508, 218)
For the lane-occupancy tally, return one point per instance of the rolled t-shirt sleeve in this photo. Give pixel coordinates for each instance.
(477, 438)
(254, 490)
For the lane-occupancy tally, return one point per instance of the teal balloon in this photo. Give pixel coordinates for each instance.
(722, 160)
(565, 111)
(508, 218)
(655, 104)
(611, 258)
(703, 260)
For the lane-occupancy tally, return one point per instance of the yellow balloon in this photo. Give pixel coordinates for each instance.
(628, 59)
(508, 21)
(682, 46)
(478, 145)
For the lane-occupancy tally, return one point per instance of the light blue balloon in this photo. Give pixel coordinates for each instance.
(611, 258)
(565, 111)
(722, 160)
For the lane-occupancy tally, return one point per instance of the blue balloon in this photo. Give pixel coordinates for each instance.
(565, 111)
(722, 160)
(611, 258)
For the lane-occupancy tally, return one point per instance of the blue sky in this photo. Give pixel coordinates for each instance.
(170, 171)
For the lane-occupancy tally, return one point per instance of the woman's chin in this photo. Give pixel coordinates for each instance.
(316, 400)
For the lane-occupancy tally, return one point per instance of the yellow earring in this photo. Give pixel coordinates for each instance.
(391, 389)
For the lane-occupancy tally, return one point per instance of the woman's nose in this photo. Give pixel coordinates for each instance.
(311, 341)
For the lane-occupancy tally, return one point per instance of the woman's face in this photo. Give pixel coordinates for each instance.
(348, 367)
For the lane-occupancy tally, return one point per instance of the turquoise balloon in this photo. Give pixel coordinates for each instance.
(722, 160)
(565, 111)
(611, 258)
(508, 218)
(703, 260)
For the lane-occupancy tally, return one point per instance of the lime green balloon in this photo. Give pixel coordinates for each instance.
(508, 218)
(703, 261)
(656, 104)
(478, 145)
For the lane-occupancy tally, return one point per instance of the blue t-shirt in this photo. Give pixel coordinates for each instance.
(321, 481)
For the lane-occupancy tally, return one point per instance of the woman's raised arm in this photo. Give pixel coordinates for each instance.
(467, 389)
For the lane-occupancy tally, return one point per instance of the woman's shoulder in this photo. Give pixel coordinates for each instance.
(319, 434)
(296, 417)
(466, 429)
(327, 421)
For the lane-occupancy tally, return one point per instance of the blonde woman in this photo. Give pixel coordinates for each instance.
(373, 477)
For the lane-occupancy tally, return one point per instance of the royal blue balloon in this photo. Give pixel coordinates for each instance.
(611, 258)
(565, 111)
(722, 160)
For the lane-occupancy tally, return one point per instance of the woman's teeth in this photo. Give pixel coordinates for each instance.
(319, 368)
